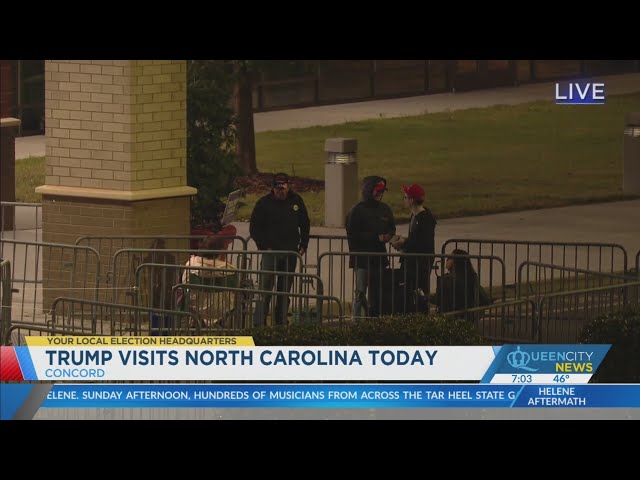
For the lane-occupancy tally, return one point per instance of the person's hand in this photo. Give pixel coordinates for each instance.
(302, 251)
(398, 242)
(384, 237)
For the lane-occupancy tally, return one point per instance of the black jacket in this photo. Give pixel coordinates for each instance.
(365, 221)
(459, 292)
(421, 239)
(422, 233)
(280, 224)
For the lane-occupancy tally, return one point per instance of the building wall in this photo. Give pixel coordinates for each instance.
(6, 88)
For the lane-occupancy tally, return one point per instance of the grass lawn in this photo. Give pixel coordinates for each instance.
(30, 173)
(470, 162)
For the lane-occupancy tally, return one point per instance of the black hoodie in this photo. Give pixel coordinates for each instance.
(366, 220)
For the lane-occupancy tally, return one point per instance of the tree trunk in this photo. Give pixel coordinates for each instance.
(246, 144)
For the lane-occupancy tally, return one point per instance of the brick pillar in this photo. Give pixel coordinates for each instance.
(6, 88)
(8, 130)
(116, 150)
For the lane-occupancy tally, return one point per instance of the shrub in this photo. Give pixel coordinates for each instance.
(402, 331)
(622, 330)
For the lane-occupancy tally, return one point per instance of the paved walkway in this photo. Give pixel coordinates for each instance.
(396, 107)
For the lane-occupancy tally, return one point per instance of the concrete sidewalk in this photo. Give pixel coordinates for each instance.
(396, 107)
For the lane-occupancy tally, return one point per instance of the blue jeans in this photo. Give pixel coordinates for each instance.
(360, 307)
(279, 262)
(367, 301)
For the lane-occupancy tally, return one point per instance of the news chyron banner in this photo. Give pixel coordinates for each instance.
(508, 376)
(237, 358)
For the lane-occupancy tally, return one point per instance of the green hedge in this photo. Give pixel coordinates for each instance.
(403, 331)
(622, 331)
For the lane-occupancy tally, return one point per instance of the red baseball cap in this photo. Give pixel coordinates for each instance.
(414, 191)
(379, 187)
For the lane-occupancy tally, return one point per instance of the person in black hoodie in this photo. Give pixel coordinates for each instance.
(415, 271)
(279, 221)
(460, 288)
(370, 225)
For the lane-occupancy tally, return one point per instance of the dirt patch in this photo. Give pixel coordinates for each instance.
(261, 183)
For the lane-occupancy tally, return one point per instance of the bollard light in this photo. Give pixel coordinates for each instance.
(631, 160)
(341, 189)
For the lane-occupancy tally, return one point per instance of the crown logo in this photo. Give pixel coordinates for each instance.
(520, 360)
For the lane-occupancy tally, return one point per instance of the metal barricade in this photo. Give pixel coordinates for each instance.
(597, 257)
(536, 279)
(563, 315)
(327, 308)
(43, 271)
(18, 218)
(5, 297)
(16, 334)
(394, 291)
(85, 317)
(504, 322)
(126, 261)
(154, 283)
(108, 245)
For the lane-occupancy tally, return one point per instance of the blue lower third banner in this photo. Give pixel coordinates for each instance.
(342, 396)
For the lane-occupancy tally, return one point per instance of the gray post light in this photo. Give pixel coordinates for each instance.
(631, 147)
(341, 190)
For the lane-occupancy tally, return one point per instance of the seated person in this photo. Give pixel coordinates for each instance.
(460, 288)
(212, 269)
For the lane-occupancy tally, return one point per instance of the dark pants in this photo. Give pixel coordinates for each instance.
(161, 325)
(414, 285)
(279, 262)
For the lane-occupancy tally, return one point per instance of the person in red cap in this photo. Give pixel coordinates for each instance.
(415, 271)
(370, 225)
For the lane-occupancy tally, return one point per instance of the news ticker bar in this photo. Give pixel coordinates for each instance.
(342, 396)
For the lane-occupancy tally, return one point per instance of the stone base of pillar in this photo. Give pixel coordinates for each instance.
(65, 219)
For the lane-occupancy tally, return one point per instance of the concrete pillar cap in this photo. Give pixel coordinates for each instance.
(341, 145)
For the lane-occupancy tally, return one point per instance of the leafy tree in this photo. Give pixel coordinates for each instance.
(245, 72)
(211, 137)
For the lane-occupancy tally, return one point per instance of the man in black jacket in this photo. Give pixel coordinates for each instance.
(279, 221)
(370, 225)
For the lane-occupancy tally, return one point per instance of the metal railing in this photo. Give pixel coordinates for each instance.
(43, 271)
(87, 317)
(597, 257)
(325, 309)
(394, 290)
(16, 334)
(126, 261)
(5, 297)
(154, 284)
(638, 264)
(536, 279)
(109, 244)
(505, 322)
(562, 315)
